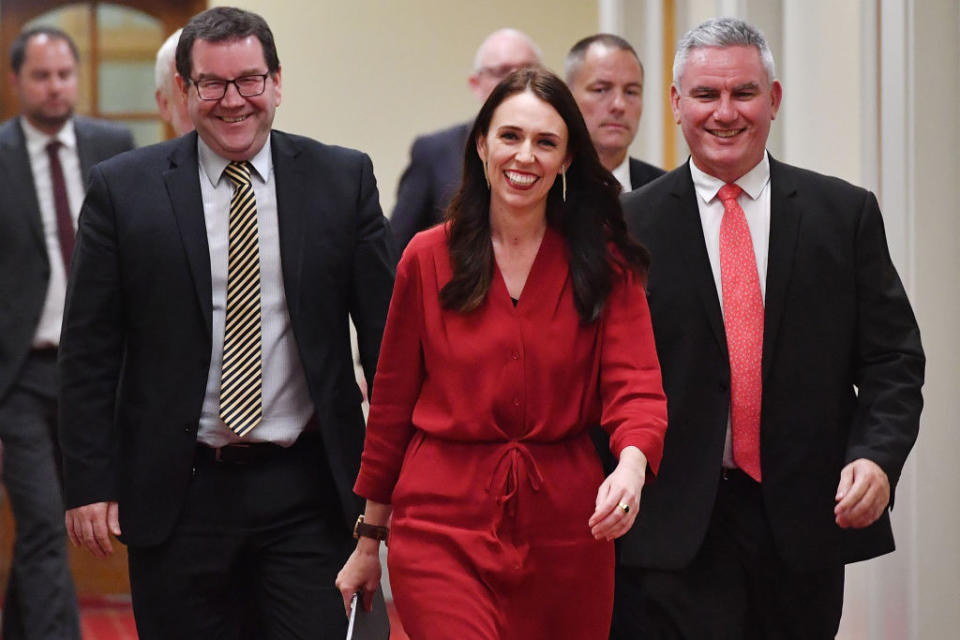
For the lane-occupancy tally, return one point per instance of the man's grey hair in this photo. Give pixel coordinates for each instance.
(723, 32)
(163, 72)
(578, 53)
(481, 50)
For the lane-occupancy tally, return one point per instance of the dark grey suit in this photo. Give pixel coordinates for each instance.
(40, 600)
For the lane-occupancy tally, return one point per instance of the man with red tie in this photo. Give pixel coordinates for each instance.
(792, 365)
(45, 154)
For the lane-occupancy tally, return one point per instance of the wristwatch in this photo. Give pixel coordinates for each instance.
(365, 530)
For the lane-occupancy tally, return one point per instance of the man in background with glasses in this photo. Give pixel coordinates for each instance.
(45, 155)
(210, 412)
(436, 160)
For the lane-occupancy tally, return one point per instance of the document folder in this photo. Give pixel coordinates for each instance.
(369, 625)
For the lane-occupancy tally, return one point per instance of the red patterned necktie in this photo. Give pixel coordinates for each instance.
(65, 231)
(743, 320)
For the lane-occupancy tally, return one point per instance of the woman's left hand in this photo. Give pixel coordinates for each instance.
(619, 496)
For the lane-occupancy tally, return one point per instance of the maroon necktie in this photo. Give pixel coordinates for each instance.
(743, 320)
(65, 231)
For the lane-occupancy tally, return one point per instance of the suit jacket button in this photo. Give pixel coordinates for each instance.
(722, 387)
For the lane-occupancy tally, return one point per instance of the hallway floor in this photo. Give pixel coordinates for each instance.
(112, 619)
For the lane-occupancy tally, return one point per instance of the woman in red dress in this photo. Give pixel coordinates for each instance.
(513, 329)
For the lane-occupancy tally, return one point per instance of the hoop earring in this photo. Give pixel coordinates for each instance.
(563, 180)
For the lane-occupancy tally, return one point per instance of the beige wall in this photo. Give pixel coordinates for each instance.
(936, 189)
(821, 97)
(372, 74)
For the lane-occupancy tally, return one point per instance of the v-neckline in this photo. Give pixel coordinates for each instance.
(500, 282)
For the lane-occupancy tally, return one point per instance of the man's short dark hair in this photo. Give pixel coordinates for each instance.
(578, 53)
(222, 24)
(18, 50)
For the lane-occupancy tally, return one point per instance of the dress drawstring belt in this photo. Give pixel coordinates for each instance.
(506, 476)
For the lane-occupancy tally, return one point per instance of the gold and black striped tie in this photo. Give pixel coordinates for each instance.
(241, 407)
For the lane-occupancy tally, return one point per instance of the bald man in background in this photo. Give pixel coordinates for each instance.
(170, 101)
(436, 159)
(605, 75)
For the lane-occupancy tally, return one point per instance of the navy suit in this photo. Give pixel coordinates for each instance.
(40, 598)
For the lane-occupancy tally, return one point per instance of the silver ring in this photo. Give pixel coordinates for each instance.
(624, 507)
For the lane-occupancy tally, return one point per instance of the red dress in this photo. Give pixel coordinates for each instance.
(477, 437)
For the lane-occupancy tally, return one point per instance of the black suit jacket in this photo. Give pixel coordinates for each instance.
(24, 264)
(429, 182)
(136, 338)
(642, 172)
(842, 367)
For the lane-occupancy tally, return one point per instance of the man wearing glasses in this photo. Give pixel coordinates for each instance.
(211, 417)
(436, 160)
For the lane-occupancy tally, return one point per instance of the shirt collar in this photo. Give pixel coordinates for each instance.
(752, 182)
(622, 173)
(38, 140)
(213, 164)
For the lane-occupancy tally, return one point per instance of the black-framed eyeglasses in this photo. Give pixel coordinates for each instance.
(247, 86)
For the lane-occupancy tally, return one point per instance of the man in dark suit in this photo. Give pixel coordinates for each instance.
(210, 413)
(605, 75)
(45, 154)
(436, 160)
(792, 365)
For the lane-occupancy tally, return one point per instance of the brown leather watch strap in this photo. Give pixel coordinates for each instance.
(362, 529)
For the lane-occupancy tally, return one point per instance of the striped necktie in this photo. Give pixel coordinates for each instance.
(241, 407)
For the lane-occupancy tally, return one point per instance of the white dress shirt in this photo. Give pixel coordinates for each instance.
(755, 202)
(622, 173)
(286, 399)
(48, 328)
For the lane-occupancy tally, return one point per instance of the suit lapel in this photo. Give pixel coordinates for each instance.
(16, 164)
(292, 203)
(685, 225)
(183, 186)
(784, 226)
(635, 178)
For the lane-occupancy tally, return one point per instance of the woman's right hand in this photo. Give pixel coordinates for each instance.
(360, 573)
